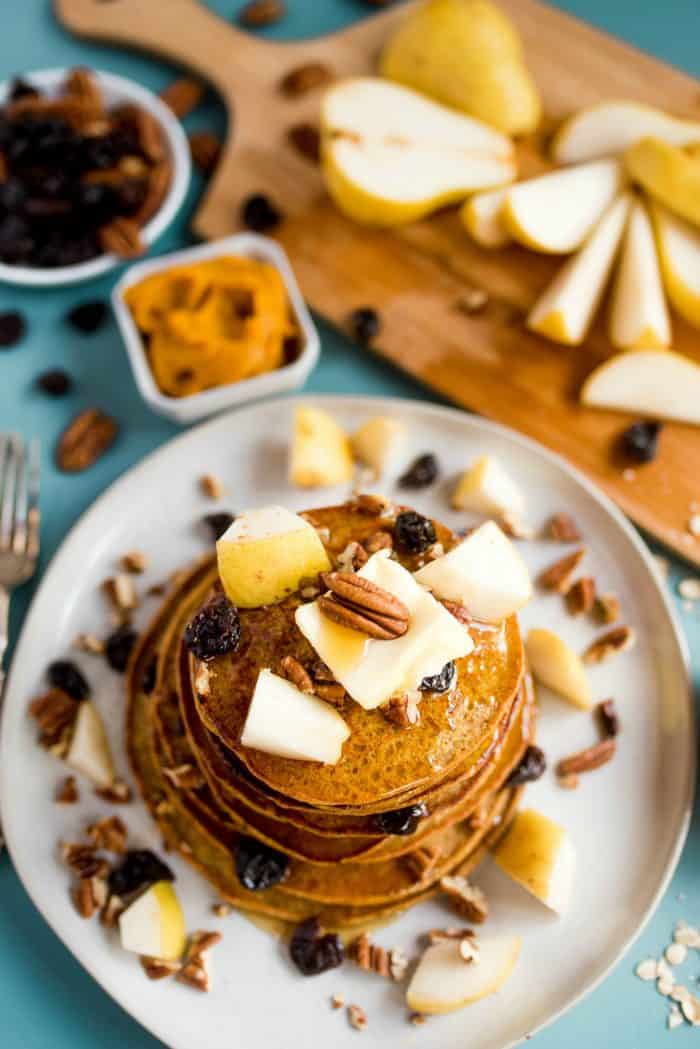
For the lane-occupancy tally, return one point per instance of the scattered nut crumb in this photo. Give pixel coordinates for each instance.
(67, 792)
(89, 643)
(118, 794)
(211, 486)
(133, 561)
(417, 1019)
(562, 528)
(221, 910)
(156, 968)
(357, 1017)
(337, 1001)
(606, 608)
(398, 964)
(581, 596)
(121, 592)
(568, 782)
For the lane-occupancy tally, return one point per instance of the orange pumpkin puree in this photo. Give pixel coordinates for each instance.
(212, 322)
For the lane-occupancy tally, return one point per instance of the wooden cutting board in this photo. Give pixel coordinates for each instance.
(415, 276)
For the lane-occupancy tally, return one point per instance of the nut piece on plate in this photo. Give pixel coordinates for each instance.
(619, 639)
(377, 443)
(89, 751)
(487, 488)
(154, 924)
(557, 666)
(560, 575)
(445, 980)
(321, 454)
(539, 855)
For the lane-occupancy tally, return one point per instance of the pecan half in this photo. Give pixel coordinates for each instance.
(369, 956)
(581, 596)
(560, 575)
(293, 670)
(618, 639)
(182, 95)
(466, 900)
(588, 759)
(361, 605)
(86, 438)
(121, 237)
(305, 78)
(562, 528)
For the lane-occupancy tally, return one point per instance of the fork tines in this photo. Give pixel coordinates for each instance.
(19, 496)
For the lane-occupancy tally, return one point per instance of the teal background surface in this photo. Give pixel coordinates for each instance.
(46, 1000)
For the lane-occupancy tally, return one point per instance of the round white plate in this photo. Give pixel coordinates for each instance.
(628, 820)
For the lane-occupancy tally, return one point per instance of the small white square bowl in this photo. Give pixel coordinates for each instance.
(198, 405)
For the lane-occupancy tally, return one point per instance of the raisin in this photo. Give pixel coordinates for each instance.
(608, 718)
(401, 821)
(364, 324)
(532, 765)
(314, 951)
(140, 867)
(259, 213)
(88, 316)
(55, 382)
(67, 676)
(422, 472)
(413, 532)
(12, 328)
(259, 866)
(441, 682)
(118, 647)
(148, 681)
(20, 88)
(640, 441)
(214, 630)
(218, 523)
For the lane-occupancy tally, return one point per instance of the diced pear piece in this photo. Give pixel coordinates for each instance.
(154, 924)
(390, 155)
(539, 855)
(484, 572)
(609, 128)
(566, 308)
(678, 244)
(89, 752)
(555, 212)
(481, 217)
(557, 666)
(321, 454)
(265, 554)
(639, 316)
(669, 174)
(487, 488)
(444, 982)
(284, 720)
(377, 442)
(657, 383)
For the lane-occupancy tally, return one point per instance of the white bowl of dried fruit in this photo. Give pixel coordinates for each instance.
(96, 168)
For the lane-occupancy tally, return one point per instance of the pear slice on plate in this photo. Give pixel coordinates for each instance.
(444, 981)
(154, 924)
(540, 856)
(566, 308)
(678, 244)
(481, 217)
(320, 454)
(608, 128)
(377, 443)
(639, 317)
(555, 212)
(657, 383)
(556, 665)
(488, 488)
(669, 174)
(89, 752)
(390, 156)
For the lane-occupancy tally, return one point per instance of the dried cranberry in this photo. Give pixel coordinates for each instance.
(413, 532)
(140, 867)
(532, 765)
(364, 324)
(218, 523)
(314, 951)
(259, 213)
(640, 441)
(441, 682)
(12, 328)
(88, 316)
(148, 681)
(608, 718)
(259, 866)
(401, 821)
(422, 472)
(20, 88)
(118, 647)
(64, 674)
(55, 382)
(214, 630)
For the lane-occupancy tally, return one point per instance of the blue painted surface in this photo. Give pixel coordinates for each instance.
(46, 1000)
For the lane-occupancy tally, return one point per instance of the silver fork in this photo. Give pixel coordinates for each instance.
(19, 523)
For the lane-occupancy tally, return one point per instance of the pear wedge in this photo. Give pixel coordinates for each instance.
(444, 982)
(555, 212)
(390, 156)
(609, 128)
(657, 383)
(668, 174)
(539, 855)
(565, 309)
(639, 317)
(154, 925)
(555, 664)
(678, 245)
(481, 217)
(320, 453)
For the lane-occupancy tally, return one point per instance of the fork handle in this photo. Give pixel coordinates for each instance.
(4, 629)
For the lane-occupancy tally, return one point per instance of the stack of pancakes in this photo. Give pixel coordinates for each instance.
(336, 823)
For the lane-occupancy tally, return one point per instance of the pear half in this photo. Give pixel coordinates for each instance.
(609, 128)
(678, 244)
(668, 174)
(444, 981)
(657, 383)
(154, 924)
(390, 156)
(481, 217)
(639, 317)
(555, 212)
(539, 855)
(566, 308)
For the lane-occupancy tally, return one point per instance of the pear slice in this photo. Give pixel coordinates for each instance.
(444, 981)
(377, 443)
(266, 553)
(566, 308)
(668, 174)
(639, 316)
(89, 752)
(609, 128)
(487, 488)
(657, 383)
(555, 212)
(284, 720)
(540, 856)
(390, 156)
(154, 924)
(320, 455)
(678, 245)
(484, 572)
(556, 665)
(481, 217)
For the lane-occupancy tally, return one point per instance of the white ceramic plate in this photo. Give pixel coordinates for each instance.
(628, 820)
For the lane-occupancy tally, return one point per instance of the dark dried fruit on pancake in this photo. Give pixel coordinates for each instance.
(640, 441)
(314, 951)
(12, 328)
(413, 532)
(64, 674)
(118, 647)
(401, 821)
(441, 682)
(532, 765)
(87, 317)
(422, 472)
(55, 382)
(139, 868)
(258, 866)
(259, 213)
(219, 522)
(214, 630)
(364, 324)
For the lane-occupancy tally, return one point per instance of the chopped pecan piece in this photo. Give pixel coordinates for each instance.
(121, 593)
(90, 895)
(159, 179)
(156, 968)
(109, 834)
(466, 899)
(562, 528)
(580, 596)
(608, 718)
(83, 860)
(182, 95)
(370, 956)
(305, 78)
(133, 561)
(211, 486)
(81, 84)
(200, 942)
(403, 709)
(86, 438)
(293, 670)
(119, 793)
(357, 1017)
(195, 975)
(361, 605)
(607, 608)
(618, 639)
(352, 557)
(67, 792)
(55, 713)
(378, 541)
(109, 915)
(588, 759)
(560, 575)
(205, 148)
(306, 139)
